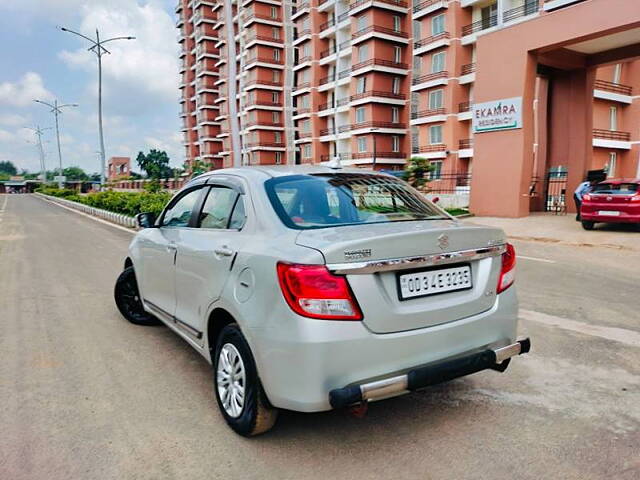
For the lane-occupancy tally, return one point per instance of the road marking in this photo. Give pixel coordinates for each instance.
(4, 204)
(119, 227)
(621, 335)
(535, 259)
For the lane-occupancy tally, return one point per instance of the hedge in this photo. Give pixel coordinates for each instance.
(127, 203)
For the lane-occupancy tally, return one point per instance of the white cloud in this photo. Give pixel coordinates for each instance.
(12, 119)
(24, 91)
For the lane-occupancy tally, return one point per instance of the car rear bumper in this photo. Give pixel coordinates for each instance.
(622, 218)
(496, 359)
(628, 213)
(300, 364)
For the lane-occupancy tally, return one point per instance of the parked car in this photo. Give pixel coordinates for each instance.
(612, 201)
(310, 288)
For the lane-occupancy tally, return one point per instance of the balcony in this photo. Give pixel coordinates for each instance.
(380, 30)
(377, 93)
(249, 16)
(327, 52)
(464, 107)
(394, 3)
(258, 145)
(465, 143)
(341, 156)
(611, 135)
(613, 87)
(327, 25)
(263, 103)
(327, 79)
(263, 38)
(372, 124)
(379, 62)
(440, 149)
(480, 25)
(429, 77)
(268, 83)
(258, 59)
(468, 69)
(427, 113)
(524, 10)
(262, 123)
(431, 43)
(337, 104)
(377, 155)
(424, 8)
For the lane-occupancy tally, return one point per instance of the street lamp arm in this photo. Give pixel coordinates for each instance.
(68, 105)
(116, 38)
(45, 103)
(77, 33)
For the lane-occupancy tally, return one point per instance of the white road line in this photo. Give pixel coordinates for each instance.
(535, 259)
(119, 227)
(6, 199)
(621, 335)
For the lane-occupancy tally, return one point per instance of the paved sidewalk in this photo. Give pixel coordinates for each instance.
(563, 229)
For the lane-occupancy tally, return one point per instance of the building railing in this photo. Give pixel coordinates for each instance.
(467, 69)
(304, 135)
(359, 3)
(429, 148)
(299, 8)
(264, 144)
(263, 103)
(428, 113)
(465, 143)
(434, 38)
(490, 21)
(300, 111)
(377, 154)
(423, 5)
(264, 38)
(263, 123)
(344, 73)
(377, 93)
(302, 85)
(327, 79)
(326, 25)
(343, 16)
(611, 135)
(379, 29)
(447, 183)
(371, 124)
(302, 33)
(528, 8)
(305, 59)
(328, 131)
(613, 87)
(329, 51)
(430, 76)
(381, 62)
(338, 103)
(262, 82)
(264, 60)
(464, 107)
(344, 45)
(251, 15)
(341, 156)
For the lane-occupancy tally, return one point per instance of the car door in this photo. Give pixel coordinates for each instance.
(158, 250)
(205, 255)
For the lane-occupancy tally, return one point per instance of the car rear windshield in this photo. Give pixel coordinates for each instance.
(616, 188)
(329, 200)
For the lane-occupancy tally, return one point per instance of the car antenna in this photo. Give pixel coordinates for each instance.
(335, 163)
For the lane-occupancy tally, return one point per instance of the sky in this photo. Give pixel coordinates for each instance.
(140, 80)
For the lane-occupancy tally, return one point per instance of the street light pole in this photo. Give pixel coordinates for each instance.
(39, 131)
(57, 110)
(98, 48)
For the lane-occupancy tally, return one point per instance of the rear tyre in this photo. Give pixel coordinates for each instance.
(587, 225)
(129, 301)
(239, 393)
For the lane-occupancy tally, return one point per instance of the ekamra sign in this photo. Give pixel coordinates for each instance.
(505, 114)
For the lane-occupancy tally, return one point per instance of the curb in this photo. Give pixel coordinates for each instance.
(117, 218)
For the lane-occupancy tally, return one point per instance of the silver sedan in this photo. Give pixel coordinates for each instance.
(311, 288)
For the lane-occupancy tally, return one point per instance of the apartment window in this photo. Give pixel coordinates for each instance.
(436, 99)
(437, 62)
(613, 118)
(250, 97)
(362, 144)
(415, 102)
(275, 117)
(395, 115)
(611, 167)
(617, 73)
(306, 150)
(274, 12)
(395, 86)
(275, 75)
(363, 53)
(276, 54)
(275, 97)
(435, 134)
(395, 143)
(275, 32)
(304, 101)
(397, 54)
(417, 64)
(437, 25)
(360, 115)
(305, 23)
(361, 87)
(396, 23)
(489, 16)
(277, 137)
(362, 22)
(305, 126)
(278, 158)
(306, 49)
(436, 173)
(415, 138)
(417, 29)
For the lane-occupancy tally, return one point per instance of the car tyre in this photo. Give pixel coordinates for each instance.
(238, 389)
(129, 301)
(587, 225)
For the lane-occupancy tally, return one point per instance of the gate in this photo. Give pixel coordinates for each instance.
(556, 196)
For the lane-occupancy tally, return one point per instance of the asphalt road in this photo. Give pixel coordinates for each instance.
(86, 395)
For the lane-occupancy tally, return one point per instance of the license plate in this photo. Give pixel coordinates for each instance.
(608, 213)
(431, 282)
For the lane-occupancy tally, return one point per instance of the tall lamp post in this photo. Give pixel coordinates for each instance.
(97, 47)
(57, 110)
(39, 131)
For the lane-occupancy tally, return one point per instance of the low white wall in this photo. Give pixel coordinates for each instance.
(450, 200)
(117, 218)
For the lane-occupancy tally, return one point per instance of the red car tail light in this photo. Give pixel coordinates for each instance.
(586, 197)
(312, 291)
(636, 198)
(508, 269)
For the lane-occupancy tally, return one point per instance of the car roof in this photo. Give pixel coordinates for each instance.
(616, 181)
(285, 170)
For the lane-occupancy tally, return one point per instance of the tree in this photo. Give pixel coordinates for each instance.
(155, 164)
(8, 167)
(75, 173)
(416, 170)
(196, 168)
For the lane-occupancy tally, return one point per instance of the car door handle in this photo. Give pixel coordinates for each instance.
(224, 251)
(171, 248)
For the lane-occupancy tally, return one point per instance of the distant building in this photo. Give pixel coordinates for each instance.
(119, 167)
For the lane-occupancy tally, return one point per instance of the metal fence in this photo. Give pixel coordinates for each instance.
(449, 183)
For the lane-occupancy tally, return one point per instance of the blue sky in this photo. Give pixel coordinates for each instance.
(140, 79)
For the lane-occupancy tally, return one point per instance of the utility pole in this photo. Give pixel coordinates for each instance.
(98, 48)
(57, 110)
(38, 132)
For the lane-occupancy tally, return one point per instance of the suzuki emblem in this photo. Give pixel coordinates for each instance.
(443, 241)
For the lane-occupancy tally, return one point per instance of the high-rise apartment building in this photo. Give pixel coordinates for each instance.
(370, 81)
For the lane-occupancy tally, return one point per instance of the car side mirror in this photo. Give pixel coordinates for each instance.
(145, 220)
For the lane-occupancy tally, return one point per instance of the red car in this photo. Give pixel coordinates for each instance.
(612, 201)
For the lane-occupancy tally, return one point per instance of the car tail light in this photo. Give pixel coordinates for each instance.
(586, 197)
(636, 198)
(312, 291)
(508, 269)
